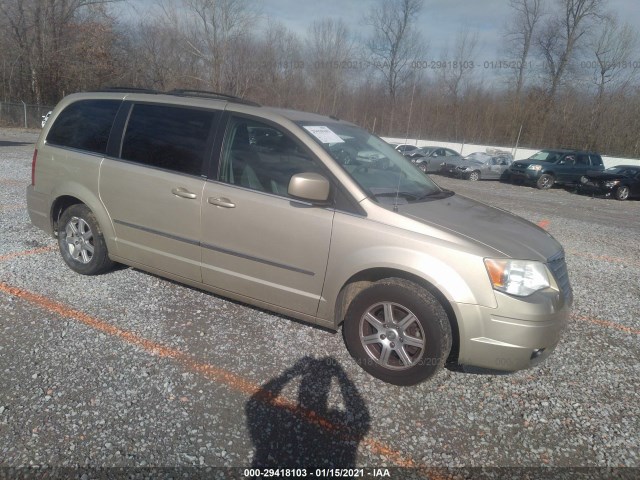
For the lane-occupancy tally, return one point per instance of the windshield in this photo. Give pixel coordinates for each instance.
(477, 156)
(427, 150)
(383, 173)
(545, 156)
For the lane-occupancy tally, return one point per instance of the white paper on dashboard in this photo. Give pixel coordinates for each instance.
(324, 134)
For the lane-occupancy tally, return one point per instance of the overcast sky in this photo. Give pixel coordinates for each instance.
(440, 20)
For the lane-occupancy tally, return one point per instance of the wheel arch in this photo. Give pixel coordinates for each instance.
(59, 205)
(365, 278)
(66, 197)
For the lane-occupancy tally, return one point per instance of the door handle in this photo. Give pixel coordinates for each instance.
(221, 202)
(183, 192)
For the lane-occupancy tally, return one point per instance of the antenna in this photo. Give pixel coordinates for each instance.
(406, 139)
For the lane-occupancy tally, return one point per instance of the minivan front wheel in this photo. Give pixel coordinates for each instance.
(397, 331)
(81, 242)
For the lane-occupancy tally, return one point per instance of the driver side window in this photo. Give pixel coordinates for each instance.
(262, 157)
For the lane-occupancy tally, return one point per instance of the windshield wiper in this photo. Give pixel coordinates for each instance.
(407, 195)
(437, 194)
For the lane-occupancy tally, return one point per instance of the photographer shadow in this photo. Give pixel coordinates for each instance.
(307, 433)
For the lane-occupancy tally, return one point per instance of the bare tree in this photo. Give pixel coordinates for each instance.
(270, 67)
(561, 36)
(612, 48)
(458, 66)
(329, 53)
(394, 43)
(457, 71)
(46, 35)
(214, 27)
(520, 34)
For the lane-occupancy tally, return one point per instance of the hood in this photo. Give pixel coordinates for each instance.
(525, 163)
(595, 175)
(510, 235)
(472, 163)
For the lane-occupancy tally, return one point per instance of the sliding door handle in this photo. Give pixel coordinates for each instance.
(221, 202)
(183, 193)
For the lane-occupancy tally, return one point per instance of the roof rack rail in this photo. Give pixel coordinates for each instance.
(129, 90)
(207, 94)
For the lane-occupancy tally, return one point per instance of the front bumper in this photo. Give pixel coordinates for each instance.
(450, 170)
(529, 176)
(591, 188)
(519, 334)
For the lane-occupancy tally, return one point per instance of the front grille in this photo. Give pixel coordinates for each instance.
(558, 267)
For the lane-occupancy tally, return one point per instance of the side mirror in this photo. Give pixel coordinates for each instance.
(309, 186)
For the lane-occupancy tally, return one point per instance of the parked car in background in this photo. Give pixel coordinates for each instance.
(621, 182)
(431, 159)
(473, 165)
(548, 167)
(406, 149)
(45, 118)
(491, 167)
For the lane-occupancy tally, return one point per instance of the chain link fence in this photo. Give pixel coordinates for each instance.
(20, 114)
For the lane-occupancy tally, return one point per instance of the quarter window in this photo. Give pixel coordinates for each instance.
(172, 138)
(84, 125)
(582, 160)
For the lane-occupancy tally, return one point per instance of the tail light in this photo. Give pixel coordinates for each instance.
(33, 167)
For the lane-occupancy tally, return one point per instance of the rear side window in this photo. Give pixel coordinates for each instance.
(84, 125)
(172, 138)
(583, 160)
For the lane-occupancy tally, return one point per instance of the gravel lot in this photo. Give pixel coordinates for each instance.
(128, 369)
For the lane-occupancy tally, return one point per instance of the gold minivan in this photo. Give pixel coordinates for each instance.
(302, 214)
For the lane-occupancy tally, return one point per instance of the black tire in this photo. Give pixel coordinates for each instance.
(473, 176)
(622, 192)
(426, 326)
(81, 242)
(423, 166)
(545, 182)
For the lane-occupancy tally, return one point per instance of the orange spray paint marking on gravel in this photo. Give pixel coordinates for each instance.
(606, 258)
(607, 324)
(9, 256)
(210, 372)
(544, 224)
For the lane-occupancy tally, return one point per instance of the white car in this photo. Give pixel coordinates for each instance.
(45, 118)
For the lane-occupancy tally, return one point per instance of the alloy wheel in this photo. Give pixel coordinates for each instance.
(79, 240)
(392, 336)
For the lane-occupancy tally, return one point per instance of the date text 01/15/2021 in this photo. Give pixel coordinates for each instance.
(315, 473)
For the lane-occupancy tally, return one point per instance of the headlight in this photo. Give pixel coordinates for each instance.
(517, 277)
(612, 183)
(535, 167)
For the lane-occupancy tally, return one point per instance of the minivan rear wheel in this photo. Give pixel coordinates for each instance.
(81, 241)
(398, 332)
